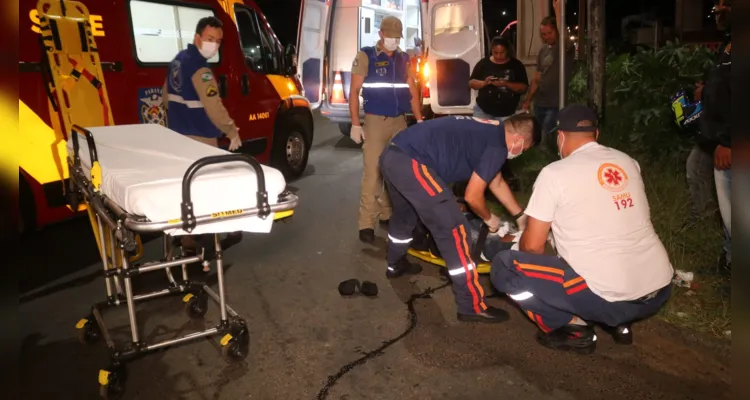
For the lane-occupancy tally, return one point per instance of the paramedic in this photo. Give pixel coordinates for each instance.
(417, 168)
(612, 268)
(191, 95)
(389, 90)
(192, 102)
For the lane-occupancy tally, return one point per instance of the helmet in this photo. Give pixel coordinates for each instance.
(686, 112)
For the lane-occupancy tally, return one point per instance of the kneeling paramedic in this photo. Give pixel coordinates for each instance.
(192, 102)
(418, 166)
(611, 268)
(389, 91)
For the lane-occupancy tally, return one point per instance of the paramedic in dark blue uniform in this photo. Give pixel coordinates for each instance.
(191, 95)
(193, 106)
(417, 168)
(389, 90)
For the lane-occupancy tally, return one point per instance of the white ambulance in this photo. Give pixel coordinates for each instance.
(445, 37)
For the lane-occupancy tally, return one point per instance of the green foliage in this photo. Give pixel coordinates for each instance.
(639, 87)
(638, 120)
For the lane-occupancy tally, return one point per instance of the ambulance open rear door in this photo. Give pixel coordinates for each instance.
(311, 48)
(454, 38)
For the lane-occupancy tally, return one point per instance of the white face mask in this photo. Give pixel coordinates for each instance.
(391, 44)
(209, 49)
(511, 155)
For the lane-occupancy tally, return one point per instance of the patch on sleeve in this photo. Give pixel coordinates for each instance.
(211, 91)
(355, 63)
(207, 76)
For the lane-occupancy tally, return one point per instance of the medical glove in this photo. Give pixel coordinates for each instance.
(235, 143)
(494, 223)
(522, 221)
(357, 134)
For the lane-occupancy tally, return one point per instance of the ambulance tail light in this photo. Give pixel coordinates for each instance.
(426, 79)
(337, 92)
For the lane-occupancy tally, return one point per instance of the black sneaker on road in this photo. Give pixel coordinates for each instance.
(577, 338)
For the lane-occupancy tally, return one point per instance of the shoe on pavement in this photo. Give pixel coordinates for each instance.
(403, 266)
(577, 338)
(367, 235)
(491, 315)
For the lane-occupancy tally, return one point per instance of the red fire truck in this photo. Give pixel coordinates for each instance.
(136, 40)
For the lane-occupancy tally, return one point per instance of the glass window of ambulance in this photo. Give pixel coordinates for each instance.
(501, 80)
(250, 40)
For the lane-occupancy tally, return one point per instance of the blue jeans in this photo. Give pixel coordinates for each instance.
(547, 116)
(724, 196)
(479, 113)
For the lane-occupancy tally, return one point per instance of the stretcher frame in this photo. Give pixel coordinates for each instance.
(117, 254)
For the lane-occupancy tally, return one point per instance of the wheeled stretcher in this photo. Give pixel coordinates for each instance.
(145, 178)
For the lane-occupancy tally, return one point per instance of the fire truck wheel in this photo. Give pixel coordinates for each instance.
(345, 129)
(291, 147)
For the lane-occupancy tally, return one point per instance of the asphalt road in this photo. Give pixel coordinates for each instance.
(303, 333)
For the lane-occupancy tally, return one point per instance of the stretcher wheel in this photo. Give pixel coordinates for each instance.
(87, 331)
(235, 346)
(196, 306)
(112, 382)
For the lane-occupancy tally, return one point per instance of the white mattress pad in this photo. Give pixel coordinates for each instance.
(142, 170)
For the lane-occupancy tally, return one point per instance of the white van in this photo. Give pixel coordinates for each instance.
(332, 32)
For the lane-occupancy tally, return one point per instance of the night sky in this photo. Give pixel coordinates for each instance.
(284, 14)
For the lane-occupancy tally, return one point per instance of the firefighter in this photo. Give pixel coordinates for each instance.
(389, 90)
(192, 102)
(417, 168)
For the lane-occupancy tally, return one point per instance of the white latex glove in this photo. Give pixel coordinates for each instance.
(494, 223)
(235, 143)
(357, 134)
(521, 222)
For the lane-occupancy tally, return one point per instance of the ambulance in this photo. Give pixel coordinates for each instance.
(448, 38)
(136, 40)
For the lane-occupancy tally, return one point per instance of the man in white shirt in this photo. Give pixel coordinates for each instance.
(611, 266)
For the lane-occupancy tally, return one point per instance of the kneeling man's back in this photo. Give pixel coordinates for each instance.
(596, 201)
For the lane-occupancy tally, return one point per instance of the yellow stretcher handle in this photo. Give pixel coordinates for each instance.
(96, 175)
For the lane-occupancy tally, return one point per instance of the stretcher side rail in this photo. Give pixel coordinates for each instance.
(188, 217)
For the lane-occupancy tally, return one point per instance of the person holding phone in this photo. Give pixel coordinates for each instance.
(500, 80)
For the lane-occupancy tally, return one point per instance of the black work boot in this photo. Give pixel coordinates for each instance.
(403, 266)
(622, 334)
(491, 315)
(367, 235)
(578, 338)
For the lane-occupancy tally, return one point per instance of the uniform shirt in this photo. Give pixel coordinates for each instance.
(456, 146)
(189, 75)
(361, 63)
(597, 204)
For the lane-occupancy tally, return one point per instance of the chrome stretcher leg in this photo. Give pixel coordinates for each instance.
(129, 298)
(103, 253)
(113, 254)
(220, 275)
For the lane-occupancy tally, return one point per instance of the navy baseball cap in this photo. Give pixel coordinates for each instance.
(577, 118)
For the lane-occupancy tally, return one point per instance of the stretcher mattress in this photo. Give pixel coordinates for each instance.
(142, 170)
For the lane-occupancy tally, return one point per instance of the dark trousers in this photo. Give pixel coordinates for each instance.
(551, 292)
(418, 193)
